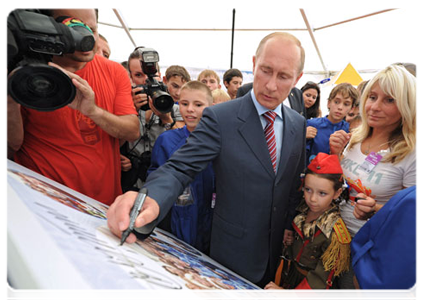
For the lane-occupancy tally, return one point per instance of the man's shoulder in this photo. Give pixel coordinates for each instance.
(105, 64)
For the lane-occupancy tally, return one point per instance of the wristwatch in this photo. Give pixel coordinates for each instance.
(169, 126)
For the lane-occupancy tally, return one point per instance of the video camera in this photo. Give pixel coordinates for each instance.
(162, 101)
(32, 39)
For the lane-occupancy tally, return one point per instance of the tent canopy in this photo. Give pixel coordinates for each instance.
(198, 35)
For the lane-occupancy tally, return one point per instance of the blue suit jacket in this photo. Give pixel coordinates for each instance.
(253, 205)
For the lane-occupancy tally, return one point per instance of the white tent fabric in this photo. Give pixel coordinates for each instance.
(198, 35)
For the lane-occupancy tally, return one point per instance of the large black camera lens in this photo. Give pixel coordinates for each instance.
(41, 87)
(162, 101)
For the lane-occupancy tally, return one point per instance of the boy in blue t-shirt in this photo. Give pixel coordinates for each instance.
(190, 218)
(341, 99)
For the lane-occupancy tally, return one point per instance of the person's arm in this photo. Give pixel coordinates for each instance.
(168, 181)
(124, 127)
(15, 131)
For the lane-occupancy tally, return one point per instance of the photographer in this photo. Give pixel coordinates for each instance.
(135, 156)
(78, 145)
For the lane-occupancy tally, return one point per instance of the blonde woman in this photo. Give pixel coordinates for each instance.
(380, 158)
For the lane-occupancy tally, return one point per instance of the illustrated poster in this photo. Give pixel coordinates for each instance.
(78, 226)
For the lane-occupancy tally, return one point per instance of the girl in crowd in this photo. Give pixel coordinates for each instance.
(321, 247)
(311, 96)
(380, 159)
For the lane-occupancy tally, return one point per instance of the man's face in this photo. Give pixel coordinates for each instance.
(89, 18)
(135, 71)
(275, 71)
(233, 86)
(103, 48)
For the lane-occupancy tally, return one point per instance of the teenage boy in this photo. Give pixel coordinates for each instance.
(210, 78)
(190, 218)
(175, 78)
(232, 79)
(341, 100)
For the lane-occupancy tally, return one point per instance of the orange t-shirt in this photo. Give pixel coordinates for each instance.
(70, 148)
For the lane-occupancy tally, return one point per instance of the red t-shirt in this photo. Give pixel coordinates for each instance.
(70, 148)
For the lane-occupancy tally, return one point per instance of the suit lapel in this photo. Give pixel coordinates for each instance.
(252, 132)
(287, 137)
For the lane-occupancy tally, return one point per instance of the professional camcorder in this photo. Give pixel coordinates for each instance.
(162, 101)
(32, 39)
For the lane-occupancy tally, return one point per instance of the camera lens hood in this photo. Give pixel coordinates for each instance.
(41, 87)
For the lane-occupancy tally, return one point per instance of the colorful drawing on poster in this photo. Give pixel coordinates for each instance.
(192, 269)
(60, 195)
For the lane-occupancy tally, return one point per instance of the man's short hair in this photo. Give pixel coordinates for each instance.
(208, 73)
(229, 74)
(287, 36)
(176, 70)
(198, 86)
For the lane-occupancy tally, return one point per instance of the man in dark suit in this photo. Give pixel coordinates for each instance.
(256, 198)
(295, 98)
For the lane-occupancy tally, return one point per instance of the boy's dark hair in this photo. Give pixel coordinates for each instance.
(314, 110)
(176, 70)
(229, 74)
(347, 91)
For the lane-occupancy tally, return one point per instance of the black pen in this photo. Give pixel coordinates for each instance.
(134, 214)
(358, 198)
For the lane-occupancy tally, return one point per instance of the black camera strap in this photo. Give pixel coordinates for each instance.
(144, 137)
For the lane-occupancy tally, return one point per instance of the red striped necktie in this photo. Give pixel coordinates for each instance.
(269, 133)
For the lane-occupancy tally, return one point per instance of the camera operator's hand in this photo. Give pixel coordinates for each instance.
(140, 99)
(85, 98)
(164, 117)
(125, 163)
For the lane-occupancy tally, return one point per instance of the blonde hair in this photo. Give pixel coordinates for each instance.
(199, 86)
(399, 84)
(219, 94)
(208, 73)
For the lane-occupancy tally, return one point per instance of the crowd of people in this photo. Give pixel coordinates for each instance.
(225, 170)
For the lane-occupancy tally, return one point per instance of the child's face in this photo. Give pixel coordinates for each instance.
(338, 108)
(352, 114)
(191, 106)
(233, 86)
(211, 82)
(174, 85)
(319, 193)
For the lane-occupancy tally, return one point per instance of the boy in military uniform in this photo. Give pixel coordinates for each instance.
(320, 244)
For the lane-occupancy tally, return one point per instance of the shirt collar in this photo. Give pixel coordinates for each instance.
(261, 109)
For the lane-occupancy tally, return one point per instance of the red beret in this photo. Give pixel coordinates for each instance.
(325, 164)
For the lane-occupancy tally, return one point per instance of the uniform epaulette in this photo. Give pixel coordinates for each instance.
(341, 232)
(337, 255)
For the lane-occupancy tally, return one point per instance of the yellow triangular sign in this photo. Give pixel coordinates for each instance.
(350, 75)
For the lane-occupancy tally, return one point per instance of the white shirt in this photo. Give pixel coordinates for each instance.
(381, 184)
